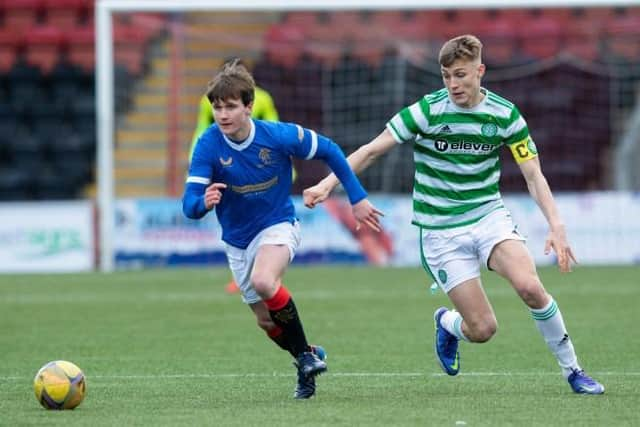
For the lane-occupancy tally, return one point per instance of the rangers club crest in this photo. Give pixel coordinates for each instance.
(265, 156)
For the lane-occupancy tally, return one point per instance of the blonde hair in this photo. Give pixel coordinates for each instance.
(234, 81)
(467, 47)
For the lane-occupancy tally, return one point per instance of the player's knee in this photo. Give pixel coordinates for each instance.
(531, 291)
(483, 330)
(263, 284)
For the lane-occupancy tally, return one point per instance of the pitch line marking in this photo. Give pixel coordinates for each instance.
(333, 374)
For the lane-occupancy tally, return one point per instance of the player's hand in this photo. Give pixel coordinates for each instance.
(213, 195)
(314, 195)
(368, 214)
(557, 240)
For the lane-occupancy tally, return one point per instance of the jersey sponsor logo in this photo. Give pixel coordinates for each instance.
(254, 188)
(441, 145)
(463, 147)
(489, 129)
(226, 162)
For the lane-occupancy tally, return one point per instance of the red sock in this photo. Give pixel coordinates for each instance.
(275, 332)
(278, 300)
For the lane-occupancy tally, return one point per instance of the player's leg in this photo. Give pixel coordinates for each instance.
(472, 320)
(450, 257)
(276, 334)
(273, 331)
(512, 260)
(275, 249)
(270, 263)
(475, 320)
(241, 265)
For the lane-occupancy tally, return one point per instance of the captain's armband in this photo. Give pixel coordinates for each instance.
(524, 150)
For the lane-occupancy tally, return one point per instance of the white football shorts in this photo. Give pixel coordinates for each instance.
(241, 260)
(454, 255)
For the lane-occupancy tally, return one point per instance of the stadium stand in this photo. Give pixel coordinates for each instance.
(64, 13)
(47, 113)
(81, 47)
(21, 15)
(9, 44)
(43, 46)
(343, 73)
(542, 42)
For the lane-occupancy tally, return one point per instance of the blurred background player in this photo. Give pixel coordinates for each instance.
(263, 109)
(463, 222)
(242, 168)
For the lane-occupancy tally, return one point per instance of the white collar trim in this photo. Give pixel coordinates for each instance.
(239, 146)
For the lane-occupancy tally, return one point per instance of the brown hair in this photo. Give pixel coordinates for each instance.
(467, 47)
(232, 82)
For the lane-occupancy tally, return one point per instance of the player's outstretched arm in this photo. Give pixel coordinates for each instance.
(359, 160)
(541, 193)
(363, 211)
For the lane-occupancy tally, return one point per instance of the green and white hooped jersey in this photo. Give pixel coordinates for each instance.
(456, 155)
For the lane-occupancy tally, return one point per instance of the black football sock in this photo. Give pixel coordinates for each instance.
(284, 314)
(277, 336)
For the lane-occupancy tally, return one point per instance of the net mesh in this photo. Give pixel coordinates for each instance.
(574, 75)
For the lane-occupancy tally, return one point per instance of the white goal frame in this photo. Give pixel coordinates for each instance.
(105, 111)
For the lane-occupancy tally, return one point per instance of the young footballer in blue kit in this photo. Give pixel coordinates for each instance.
(242, 168)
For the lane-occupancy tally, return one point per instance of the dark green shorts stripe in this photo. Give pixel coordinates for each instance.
(423, 260)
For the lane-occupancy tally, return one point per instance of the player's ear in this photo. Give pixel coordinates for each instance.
(249, 108)
(481, 70)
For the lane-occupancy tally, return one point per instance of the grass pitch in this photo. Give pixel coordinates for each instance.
(171, 348)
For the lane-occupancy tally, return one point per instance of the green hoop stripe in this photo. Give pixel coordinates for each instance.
(397, 132)
(410, 122)
(518, 136)
(469, 118)
(547, 314)
(455, 177)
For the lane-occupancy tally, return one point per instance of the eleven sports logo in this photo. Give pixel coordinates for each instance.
(467, 147)
(523, 150)
(464, 147)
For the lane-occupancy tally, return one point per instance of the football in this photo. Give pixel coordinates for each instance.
(59, 385)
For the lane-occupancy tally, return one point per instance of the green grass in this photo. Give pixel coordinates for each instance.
(170, 347)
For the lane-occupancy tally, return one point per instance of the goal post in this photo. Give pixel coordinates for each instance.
(105, 90)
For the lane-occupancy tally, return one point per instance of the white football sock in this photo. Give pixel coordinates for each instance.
(451, 321)
(551, 325)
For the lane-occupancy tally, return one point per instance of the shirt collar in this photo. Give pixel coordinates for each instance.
(241, 145)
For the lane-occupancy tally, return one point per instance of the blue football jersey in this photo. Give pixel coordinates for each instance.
(257, 172)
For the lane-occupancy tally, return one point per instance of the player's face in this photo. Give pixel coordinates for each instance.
(233, 118)
(462, 80)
